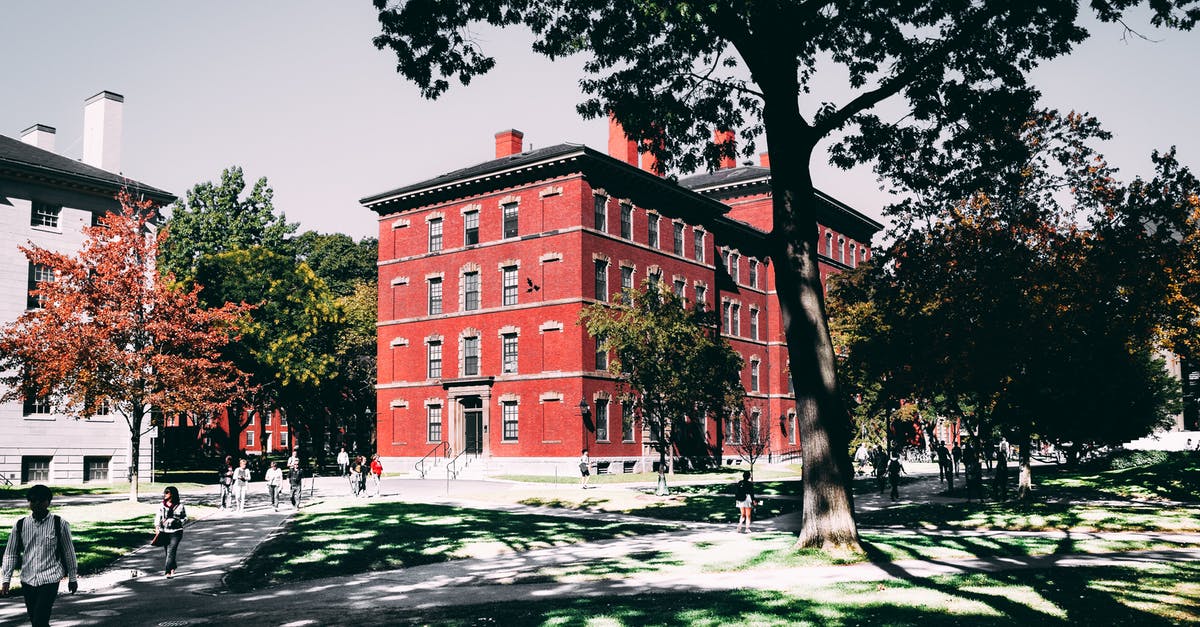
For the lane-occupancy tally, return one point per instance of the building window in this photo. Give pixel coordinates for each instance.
(679, 286)
(754, 376)
(283, 439)
(733, 429)
(626, 421)
(45, 215)
(470, 291)
(35, 469)
(470, 228)
(510, 285)
(435, 296)
(509, 353)
(677, 240)
(435, 360)
(753, 323)
(601, 355)
(510, 220)
(435, 235)
(250, 418)
(853, 255)
(829, 244)
(283, 420)
(753, 273)
(601, 280)
(841, 249)
(734, 258)
(626, 221)
(701, 294)
(652, 230)
(470, 357)
(37, 274)
(433, 422)
(626, 284)
(791, 422)
(249, 439)
(601, 210)
(509, 413)
(725, 323)
(755, 427)
(95, 468)
(267, 419)
(601, 420)
(736, 315)
(698, 245)
(34, 405)
(654, 278)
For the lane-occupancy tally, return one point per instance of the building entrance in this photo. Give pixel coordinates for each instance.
(472, 412)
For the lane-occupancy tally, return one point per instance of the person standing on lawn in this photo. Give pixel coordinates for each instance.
(274, 483)
(169, 521)
(744, 500)
(40, 547)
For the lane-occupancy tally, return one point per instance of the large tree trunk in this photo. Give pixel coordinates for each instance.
(823, 423)
(1025, 481)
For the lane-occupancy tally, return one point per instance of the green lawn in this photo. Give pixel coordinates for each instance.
(390, 535)
(99, 540)
(1161, 594)
(18, 492)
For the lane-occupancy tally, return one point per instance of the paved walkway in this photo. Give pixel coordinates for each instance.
(135, 593)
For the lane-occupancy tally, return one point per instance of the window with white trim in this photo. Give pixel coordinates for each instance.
(435, 235)
(434, 360)
(626, 284)
(471, 228)
(753, 272)
(510, 220)
(435, 296)
(510, 285)
(470, 366)
(38, 273)
(470, 291)
(627, 421)
(754, 367)
(602, 280)
(45, 215)
(736, 314)
(652, 230)
(509, 353)
(677, 240)
(600, 206)
(698, 245)
(433, 422)
(626, 221)
(510, 416)
(602, 420)
(753, 323)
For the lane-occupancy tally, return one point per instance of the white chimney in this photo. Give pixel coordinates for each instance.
(39, 136)
(102, 131)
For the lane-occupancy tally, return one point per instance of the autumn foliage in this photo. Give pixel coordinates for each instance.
(112, 335)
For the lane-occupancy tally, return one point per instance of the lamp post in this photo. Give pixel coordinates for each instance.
(585, 413)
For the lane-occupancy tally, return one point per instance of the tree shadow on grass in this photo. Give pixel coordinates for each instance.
(1029, 515)
(387, 536)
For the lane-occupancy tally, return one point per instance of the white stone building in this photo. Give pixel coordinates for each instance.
(46, 199)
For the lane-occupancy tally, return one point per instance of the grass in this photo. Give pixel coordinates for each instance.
(675, 481)
(18, 491)
(1038, 516)
(390, 535)
(1161, 594)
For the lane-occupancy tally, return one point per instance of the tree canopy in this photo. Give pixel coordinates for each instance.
(111, 334)
(670, 360)
(672, 72)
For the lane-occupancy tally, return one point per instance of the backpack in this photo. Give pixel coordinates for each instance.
(58, 549)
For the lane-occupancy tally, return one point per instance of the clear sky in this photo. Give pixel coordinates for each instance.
(296, 92)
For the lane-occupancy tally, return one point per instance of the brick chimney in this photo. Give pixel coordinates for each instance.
(764, 159)
(102, 131)
(39, 136)
(619, 144)
(726, 137)
(509, 143)
(649, 162)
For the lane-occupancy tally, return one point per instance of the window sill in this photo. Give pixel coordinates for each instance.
(40, 417)
(57, 230)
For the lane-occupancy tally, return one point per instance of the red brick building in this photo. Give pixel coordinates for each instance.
(483, 272)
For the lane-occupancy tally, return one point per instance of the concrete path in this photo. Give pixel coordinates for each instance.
(134, 592)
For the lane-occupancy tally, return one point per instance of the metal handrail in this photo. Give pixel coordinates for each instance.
(451, 471)
(421, 464)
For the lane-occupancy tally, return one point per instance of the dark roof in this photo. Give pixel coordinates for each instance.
(21, 160)
(752, 179)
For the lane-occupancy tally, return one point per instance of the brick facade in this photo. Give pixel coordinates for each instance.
(483, 273)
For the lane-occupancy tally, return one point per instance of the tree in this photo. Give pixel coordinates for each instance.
(112, 334)
(750, 435)
(670, 359)
(1038, 298)
(286, 337)
(340, 261)
(672, 72)
(216, 218)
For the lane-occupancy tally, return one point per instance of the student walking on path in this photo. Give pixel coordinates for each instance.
(241, 482)
(343, 462)
(40, 547)
(894, 470)
(585, 470)
(226, 480)
(376, 474)
(169, 521)
(274, 484)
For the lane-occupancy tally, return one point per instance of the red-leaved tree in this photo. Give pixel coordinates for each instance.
(111, 335)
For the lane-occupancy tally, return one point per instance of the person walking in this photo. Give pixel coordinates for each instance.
(169, 521)
(1000, 479)
(343, 462)
(40, 547)
(861, 457)
(585, 469)
(894, 470)
(744, 501)
(943, 461)
(241, 482)
(956, 457)
(356, 470)
(226, 480)
(296, 482)
(376, 474)
(274, 483)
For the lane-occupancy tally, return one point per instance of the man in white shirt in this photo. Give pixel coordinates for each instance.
(343, 461)
(40, 544)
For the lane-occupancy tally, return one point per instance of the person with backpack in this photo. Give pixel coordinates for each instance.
(744, 500)
(241, 482)
(376, 473)
(40, 547)
(168, 522)
(225, 474)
